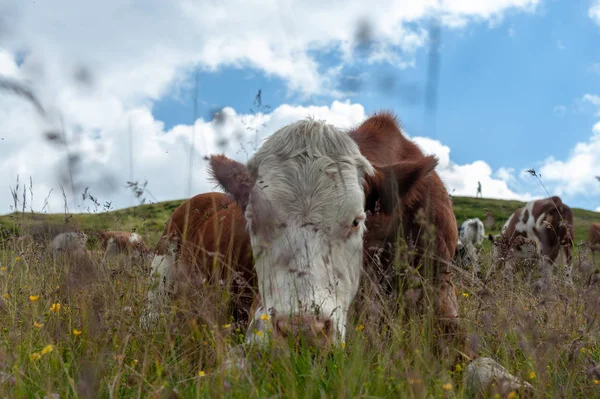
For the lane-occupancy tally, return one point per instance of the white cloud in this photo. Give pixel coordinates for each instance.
(140, 48)
(594, 12)
(134, 52)
(577, 174)
(512, 32)
(162, 157)
(597, 209)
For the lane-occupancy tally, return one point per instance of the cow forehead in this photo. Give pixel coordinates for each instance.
(311, 185)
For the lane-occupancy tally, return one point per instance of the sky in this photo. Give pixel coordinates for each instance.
(142, 91)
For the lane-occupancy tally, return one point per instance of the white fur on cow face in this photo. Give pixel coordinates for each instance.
(305, 215)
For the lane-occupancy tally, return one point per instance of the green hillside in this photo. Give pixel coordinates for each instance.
(149, 219)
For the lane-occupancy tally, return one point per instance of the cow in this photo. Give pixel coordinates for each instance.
(521, 252)
(204, 230)
(302, 197)
(114, 242)
(471, 235)
(68, 242)
(547, 221)
(407, 200)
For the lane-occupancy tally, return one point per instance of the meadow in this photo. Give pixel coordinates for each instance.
(70, 328)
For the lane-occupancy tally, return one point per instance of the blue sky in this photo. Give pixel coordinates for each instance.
(518, 83)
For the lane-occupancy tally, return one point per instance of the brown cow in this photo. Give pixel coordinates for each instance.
(421, 215)
(549, 222)
(114, 242)
(206, 229)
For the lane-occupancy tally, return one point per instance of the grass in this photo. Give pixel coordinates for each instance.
(92, 346)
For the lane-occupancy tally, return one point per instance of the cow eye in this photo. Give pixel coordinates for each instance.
(355, 223)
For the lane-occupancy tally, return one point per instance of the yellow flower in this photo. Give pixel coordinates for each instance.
(76, 332)
(34, 298)
(226, 325)
(458, 367)
(596, 382)
(18, 258)
(47, 349)
(3, 268)
(360, 327)
(447, 387)
(134, 362)
(55, 307)
(343, 345)
(259, 333)
(511, 395)
(5, 296)
(34, 356)
(532, 375)
(38, 325)
(465, 294)
(201, 373)
(264, 317)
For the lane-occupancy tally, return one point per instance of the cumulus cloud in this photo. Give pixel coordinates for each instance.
(576, 175)
(133, 145)
(98, 67)
(594, 11)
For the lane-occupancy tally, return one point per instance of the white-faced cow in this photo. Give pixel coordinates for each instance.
(549, 222)
(302, 196)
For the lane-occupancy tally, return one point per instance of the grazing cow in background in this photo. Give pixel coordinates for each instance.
(406, 198)
(114, 242)
(71, 241)
(472, 231)
(522, 251)
(204, 230)
(471, 235)
(549, 222)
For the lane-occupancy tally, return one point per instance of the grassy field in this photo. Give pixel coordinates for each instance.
(70, 329)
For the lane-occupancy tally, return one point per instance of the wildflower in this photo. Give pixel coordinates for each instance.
(201, 373)
(5, 296)
(38, 325)
(458, 367)
(532, 375)
(35, 356)
(34, 298)
(264, 317)
(18, 258)
(134, 362)
(259, 333)
(76, 332)
(226, 326)
(447, 387)
(465, 294)
(596, 382)
(55, 307)
(360, 327)
(3, 268)
(47, 349)
(511, 395)
(343, 345)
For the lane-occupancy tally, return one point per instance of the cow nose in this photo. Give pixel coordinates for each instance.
(315, 330)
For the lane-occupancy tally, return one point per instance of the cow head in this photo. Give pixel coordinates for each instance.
(303, 198)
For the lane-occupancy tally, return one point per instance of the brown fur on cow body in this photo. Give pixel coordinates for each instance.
(396, 213)
(558, 232)
(216, 229)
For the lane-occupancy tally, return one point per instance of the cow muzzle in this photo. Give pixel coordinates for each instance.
(310, 329)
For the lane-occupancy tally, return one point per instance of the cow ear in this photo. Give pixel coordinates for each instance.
(401, 177)
(233, 177)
